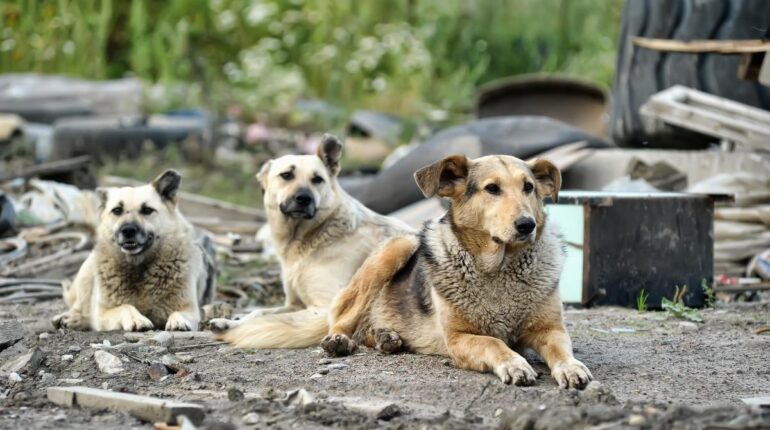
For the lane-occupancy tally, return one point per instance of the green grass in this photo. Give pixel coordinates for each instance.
(412, 58)
(676, 307)
(641, 301)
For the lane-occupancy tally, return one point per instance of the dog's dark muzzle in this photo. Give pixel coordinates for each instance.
(132, 239)
(300, 205)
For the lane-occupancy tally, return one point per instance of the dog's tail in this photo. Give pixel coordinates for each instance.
(299, 329)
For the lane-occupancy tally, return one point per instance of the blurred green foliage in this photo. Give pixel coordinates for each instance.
(411, 57)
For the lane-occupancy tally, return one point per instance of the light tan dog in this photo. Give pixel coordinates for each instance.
(322, 235)
(146, 270)
(476, 284)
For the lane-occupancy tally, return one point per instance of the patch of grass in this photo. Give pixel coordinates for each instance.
(402, 56)
(641, 301)
(708, 292)
(678, 309)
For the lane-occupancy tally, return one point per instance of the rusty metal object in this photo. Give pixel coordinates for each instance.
(573, 101)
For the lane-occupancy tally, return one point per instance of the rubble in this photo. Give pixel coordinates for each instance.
(25, 364)
(108, 363)
(164, 339)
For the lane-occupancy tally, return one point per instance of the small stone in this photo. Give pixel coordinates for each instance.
(316, 376)
(14, 377)
(108, 363)
(637, 420)
(157, 371)
(70, 381)
(298, 397)
(324, 361)
(21, 395)
(44, 335)
(164, 339)
(389, 412)
(67, 357)
(498, 412)
(181, 373)
(250, 419)
(185, 358)
(324, 371)
(61, 416)
(337, 366)
(47, 377)
(688, 326)
(26, 363)
(172, 362)
(106, 343)
(235, 395)
(133, 336)
(74, 348)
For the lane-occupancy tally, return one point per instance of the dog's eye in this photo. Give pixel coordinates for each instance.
(317, 180)
(287, 176)
(528, 187)
(492, 189)
(146, 210)
(118, 211)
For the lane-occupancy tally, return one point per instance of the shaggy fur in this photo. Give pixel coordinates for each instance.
(157, 279)
(474, 285)
(322, 235)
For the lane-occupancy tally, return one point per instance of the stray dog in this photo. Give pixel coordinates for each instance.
(322, 235)
(476, 283)
(146, 270)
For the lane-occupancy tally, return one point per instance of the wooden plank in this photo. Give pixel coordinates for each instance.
(52, 168)
(764, 71)
(704, 46)
(716, 116)
(147, 408)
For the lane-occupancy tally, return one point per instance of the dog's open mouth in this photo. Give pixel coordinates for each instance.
(133, 247)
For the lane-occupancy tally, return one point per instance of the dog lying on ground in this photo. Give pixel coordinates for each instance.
(474, 285)
(146, 270)
(322, 235)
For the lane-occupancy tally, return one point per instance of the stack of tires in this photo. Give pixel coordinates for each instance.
(641, 72)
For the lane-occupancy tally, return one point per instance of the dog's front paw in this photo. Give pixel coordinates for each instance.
(179, 322)
(388, 341)
(338, 345)
(516, 371)
(571, 374)
(221, 325)
(134, 321)
(70, 320)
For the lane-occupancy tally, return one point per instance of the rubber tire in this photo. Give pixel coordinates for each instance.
(641, 73)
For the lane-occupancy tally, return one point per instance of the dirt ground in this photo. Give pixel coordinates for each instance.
(663, 374)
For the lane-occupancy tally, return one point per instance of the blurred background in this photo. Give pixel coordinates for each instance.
(285, 70)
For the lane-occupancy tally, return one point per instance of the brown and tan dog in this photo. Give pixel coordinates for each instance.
(476, 284)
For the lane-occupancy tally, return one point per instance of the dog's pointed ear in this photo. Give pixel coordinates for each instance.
(548, 178)
(330, 152)
(262, 174)
(445, 178)
(102, 194)
(167, 185)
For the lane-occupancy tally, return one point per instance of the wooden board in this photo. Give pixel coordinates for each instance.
(745, 46)
(147, 408)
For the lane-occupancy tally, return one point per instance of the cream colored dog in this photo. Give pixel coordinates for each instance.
(146, 270)
(322, 235)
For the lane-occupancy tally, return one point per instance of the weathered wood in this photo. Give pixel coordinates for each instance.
(147, 408)
(704, 46)
(78, 171)
(705, 113)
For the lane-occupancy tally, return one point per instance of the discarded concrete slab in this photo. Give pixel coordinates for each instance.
(762, 402)
(147, 408)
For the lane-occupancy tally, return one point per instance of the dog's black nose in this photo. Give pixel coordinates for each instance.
(129, 231)
(525, 225)
(303, 199)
